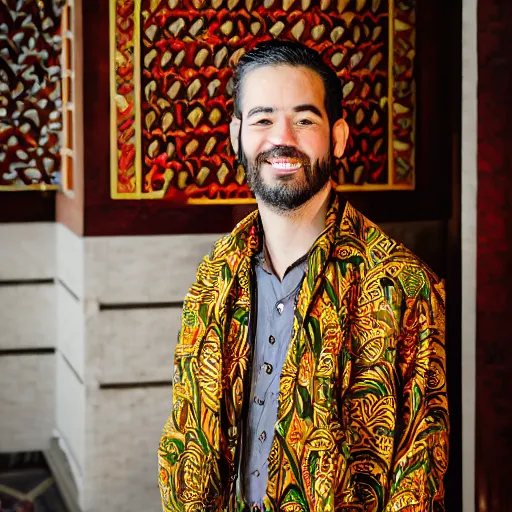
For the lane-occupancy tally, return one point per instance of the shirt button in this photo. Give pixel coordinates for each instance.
(263, 436)
(267, 367)
(271, 340)
(256, 473)
(258, 401)
(280, 308)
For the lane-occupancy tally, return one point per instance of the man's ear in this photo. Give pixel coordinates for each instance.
(340, 132)
(234, 133)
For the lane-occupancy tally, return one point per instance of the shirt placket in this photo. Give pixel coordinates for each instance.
(270, 358)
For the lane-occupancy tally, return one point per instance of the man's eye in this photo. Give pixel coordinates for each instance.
(263, 122)
(305, 122)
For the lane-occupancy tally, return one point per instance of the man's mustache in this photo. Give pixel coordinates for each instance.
(282, 152)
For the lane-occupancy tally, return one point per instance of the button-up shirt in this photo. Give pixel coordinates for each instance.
(275, 313)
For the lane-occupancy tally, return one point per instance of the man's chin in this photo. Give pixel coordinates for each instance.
(282, 197)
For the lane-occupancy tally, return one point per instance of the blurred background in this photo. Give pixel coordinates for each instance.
(116, 177)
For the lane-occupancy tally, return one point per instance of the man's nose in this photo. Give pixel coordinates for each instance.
(283, 134)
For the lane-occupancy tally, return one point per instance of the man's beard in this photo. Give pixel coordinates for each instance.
(288, 193)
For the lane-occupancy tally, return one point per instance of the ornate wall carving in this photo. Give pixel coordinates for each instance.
(171, 90)
(30, 94)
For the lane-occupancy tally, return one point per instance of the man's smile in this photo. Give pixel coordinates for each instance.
(285, 164)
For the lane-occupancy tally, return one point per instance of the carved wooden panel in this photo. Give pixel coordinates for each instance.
(171, 90)
(30, 94)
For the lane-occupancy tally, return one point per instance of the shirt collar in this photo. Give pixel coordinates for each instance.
(262, 260)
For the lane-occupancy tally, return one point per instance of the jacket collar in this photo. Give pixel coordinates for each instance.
(247, 237)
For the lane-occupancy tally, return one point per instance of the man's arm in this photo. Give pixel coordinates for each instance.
(395, 408)
(421, 456)
(187, 455)
(181, 455)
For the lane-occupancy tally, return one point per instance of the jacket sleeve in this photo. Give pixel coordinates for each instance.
(186, 455)
(421, 453)
(178, 460)
(395, 408)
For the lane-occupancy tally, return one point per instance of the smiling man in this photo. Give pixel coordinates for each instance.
(310, 369)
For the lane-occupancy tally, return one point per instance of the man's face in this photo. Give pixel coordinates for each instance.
(285, 137)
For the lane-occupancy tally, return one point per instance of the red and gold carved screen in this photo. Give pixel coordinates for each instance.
(171, 85)
(30, 94)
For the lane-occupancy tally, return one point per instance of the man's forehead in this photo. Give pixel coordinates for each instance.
(282, 86)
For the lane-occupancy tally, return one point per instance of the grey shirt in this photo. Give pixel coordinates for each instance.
(276, 306)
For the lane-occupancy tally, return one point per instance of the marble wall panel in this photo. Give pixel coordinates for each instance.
(27, 402)
(70, 259)
(143, 269)
(27, 316)
(132, 345)
(71, 328)
(27, 251)
(122, 435)
(70, 410)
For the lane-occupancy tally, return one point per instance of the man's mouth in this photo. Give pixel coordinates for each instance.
(285, 164)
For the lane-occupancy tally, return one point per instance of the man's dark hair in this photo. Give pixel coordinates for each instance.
(289, 53)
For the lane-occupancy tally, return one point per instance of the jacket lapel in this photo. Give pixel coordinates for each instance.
(244, 243)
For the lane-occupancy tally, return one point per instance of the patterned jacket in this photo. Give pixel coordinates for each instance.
(363, 418)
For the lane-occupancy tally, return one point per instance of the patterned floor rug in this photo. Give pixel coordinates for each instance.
(26, 485)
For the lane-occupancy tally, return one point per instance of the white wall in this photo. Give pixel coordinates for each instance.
(27, 336)
(117, 330)
(88, 330)
(469, 210)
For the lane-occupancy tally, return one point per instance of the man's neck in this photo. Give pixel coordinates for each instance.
(290, 235)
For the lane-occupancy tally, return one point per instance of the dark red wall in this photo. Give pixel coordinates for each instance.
(494, 252)
(30, 206)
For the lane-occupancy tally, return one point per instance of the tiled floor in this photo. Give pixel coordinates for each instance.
(26, 485)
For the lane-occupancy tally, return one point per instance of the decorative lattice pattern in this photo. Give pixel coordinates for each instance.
(176, 95)
(30, 94)
(124, 95)
(403, 95)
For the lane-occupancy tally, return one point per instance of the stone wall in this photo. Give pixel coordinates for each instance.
(118, 318)
(27, 335)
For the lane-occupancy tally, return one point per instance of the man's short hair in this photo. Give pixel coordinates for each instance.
(290, 53)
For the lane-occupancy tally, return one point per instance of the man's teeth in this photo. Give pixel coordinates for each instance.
(286, 165)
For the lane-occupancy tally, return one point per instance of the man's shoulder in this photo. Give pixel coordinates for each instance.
(221, 248)
(378, 248)
(358, 230)
(233, 243)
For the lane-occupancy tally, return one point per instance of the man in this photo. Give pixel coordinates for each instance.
(310, 370)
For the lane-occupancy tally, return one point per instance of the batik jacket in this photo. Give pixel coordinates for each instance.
(362, 420)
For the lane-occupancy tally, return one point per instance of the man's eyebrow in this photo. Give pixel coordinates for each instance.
(299, 108)
(260, 110)
(308, 108)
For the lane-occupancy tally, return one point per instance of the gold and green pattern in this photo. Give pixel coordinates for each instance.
(363, 418)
